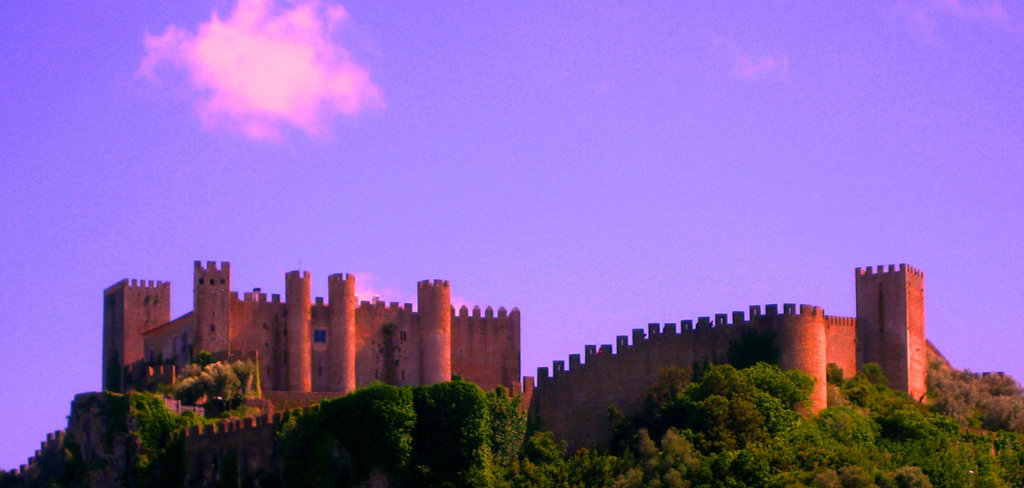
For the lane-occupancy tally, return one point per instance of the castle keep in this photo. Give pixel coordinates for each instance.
(304, 344)
(888, 329)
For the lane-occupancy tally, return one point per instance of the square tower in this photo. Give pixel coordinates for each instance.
(129, 309)
(890, 325)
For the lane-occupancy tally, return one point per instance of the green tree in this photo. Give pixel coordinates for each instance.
(451, 440)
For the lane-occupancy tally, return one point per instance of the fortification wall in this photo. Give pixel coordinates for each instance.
(389, 354)
(171, 341)
(842, 343)
(485, 348)
(257, 324)
(573, 402)
(250, 440)
(47, 462)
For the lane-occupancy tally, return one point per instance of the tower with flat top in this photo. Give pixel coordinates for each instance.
(890, 325)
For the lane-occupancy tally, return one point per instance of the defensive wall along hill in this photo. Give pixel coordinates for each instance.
(889, 329)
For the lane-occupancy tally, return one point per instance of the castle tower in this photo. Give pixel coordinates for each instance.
(341, 333)
(803, 346)
(129, 308)
(299, 338)
(211, 307)
(890, 325)
(434, 300)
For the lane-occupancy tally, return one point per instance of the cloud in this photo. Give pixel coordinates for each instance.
(266, 67)
(923, 17)
(755, 66)
(368, 290)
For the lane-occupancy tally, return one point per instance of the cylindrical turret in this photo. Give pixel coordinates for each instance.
(297, 327)
(803, 346)
(435, 317)
(341, 333)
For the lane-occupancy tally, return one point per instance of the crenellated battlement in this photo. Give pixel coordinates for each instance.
(211, 266)
(488, 313)
(889, 270)
(297, 275)
(158, 286)
(433, 284)
(341, 278)
(668, 332)
(381, 305)
(836, 321)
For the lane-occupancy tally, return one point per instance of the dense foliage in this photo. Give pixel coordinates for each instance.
(717, 427)
(228, 381)
(439, 435)
(735, 428)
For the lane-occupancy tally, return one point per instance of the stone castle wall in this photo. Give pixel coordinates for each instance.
(573, 402)
(889, 329)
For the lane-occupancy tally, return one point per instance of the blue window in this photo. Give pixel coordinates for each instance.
(320, 336)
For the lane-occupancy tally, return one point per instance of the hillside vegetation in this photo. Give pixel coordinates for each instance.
(717, 427)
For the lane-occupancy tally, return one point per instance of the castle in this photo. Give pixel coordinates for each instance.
(304, 345)
(889, 329)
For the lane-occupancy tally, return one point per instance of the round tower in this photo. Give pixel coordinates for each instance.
(341, 333)
(297, 328)
(803, 346)
(435, 316)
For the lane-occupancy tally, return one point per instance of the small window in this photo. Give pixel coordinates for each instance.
(213, 328)
(222, 281)
(320, 336)
(403, 335)
(200, 281)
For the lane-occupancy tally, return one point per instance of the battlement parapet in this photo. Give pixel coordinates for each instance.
(378, 304)
(157, 286)
(486, 316)
(297, 275)
(211, 266)
(658, 332)
(341, 277)
(837, 321)
(432, 284)
(890, 270)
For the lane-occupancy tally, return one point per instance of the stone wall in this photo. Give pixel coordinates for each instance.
(573, 402)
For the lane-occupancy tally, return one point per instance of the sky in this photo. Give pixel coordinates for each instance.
(598, 165)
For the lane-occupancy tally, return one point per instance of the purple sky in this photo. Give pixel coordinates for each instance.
(598, 167)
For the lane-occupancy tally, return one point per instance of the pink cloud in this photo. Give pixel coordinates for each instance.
(924, 16)
(755, 66)
(369, 290)
(266, 67)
